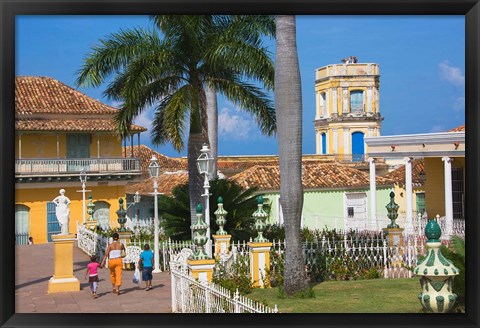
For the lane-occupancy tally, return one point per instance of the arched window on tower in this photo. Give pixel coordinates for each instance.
(356, 102)
(358, 147)
(323, 104)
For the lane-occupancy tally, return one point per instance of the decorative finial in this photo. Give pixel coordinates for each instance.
(199, 208)
(433, 231)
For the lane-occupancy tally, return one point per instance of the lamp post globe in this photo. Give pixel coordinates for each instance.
(205, 166)
(154, 171)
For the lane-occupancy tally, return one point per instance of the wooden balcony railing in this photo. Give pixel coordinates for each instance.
(71, 166)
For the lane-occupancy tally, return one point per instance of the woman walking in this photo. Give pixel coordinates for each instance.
(115, 263)
(147, 266)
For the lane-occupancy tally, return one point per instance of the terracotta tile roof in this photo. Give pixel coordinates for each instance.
(167, 164)
(460, 128)
(166, 183)
(260, 171)
(45, 95)
(398, 175)
(70, 125)
(41, 102)
(317, 176)
(231, 165)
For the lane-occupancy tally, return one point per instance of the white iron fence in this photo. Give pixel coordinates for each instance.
(192, 296)
(366, 249)
(33, 166)
(94, 243)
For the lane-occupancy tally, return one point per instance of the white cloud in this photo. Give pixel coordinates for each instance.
(116, 104)
(437, 128)
(234, 126)
(451, 74)
(144, 119)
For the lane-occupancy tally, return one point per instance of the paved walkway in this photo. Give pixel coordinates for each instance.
(34, 267)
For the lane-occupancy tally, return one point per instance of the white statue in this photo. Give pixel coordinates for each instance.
(62, 211)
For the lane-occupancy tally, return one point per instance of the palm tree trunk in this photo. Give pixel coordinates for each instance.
(212, 115)
(288, 105)
(196, 138)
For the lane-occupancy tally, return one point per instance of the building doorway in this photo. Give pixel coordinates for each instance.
(356, 211)
(22, 224)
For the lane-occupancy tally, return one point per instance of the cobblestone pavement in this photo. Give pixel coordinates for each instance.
(34, 267)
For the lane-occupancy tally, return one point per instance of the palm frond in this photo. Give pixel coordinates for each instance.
(251, 99)
(114, 53)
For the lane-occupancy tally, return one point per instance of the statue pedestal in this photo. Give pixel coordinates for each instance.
(394, 235)
(259, 263)
(63, 279)
(201, 269)
(395, 240)
(222, 244)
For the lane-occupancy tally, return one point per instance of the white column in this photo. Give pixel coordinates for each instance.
(373, 196)
(155, 220)
(377, 100)
(369, 100)
(206, 186)
(447, 161)
(408, 191)
(346, 139)
(335, 141)
(327, 141)
(319, 142)
(345, 100)
(334, 101)
(83, 204)
(327, 103)
(98, 146)
(20, 145)
(317, 112)
(58, 145)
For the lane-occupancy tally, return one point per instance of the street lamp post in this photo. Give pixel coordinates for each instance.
(154, 171)
(83, 180)
(205, 166)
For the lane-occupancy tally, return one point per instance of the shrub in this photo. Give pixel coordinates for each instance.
(237, 276)
(275, 275)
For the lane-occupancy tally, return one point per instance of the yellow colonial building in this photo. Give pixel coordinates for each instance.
(443, 155)
(61, 132)
(347, 108)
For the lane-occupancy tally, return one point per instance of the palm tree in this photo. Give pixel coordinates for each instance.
(251, 26)
(240, 205)
(170, 71)
(288, 104)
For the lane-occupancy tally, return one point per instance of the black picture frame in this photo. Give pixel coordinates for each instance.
(11, 8)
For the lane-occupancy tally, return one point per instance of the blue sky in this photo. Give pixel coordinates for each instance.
(421, 58)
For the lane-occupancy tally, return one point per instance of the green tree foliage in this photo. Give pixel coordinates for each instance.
(240, 205)
(167, 68)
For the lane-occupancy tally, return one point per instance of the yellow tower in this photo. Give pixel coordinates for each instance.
(347, 108)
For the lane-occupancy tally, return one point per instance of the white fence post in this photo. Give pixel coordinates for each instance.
(173, 291)
(235, 302)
